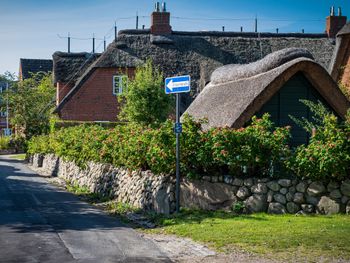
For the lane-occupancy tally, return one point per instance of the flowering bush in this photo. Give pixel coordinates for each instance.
(254, 148)
(328, 153)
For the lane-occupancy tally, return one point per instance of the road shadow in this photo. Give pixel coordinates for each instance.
(29, 203)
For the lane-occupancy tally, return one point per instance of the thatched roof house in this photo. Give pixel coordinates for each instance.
(27, 67)
(274, 84)
(175, 53)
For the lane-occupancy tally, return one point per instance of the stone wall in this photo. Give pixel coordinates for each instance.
(267, 195)
(157, 193)
(140, 189)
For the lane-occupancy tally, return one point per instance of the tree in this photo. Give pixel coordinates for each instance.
(144, 100)
(7, 77)
(30, 103)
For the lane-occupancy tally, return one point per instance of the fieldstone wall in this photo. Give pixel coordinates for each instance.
(140, 189)
(157, 193)
(267, 195)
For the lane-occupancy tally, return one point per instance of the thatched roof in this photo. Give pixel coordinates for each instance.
(232, 98)
(345, 30)
(29, 66)
(68, 67)
(196, 53)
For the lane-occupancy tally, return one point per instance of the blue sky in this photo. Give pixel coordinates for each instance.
(30, 29)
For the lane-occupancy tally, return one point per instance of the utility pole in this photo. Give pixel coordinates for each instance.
(7, 110)
(68, 42)
(256, 24)
(104, 43)
(115, 31)
(93, 43)
(137, 20)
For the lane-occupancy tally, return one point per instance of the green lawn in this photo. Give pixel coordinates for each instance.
(21, 156)
(282, 237)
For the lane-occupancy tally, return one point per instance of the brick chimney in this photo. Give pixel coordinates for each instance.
(160, 20)
(334, 23)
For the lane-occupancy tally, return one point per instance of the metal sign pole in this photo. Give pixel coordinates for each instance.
(177, 155)
(176, 85)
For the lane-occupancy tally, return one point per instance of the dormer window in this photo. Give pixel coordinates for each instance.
(119, 83)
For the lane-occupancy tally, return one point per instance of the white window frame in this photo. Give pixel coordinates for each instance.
(120, 82)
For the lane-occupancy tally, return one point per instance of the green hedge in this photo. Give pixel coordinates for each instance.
(249, 151)
(259, 149)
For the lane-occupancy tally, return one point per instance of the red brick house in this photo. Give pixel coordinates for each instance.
(87, 84)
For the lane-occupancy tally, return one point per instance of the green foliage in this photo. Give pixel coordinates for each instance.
(238, 207)
(345, 89)
(4, 142)
(254, 148)
(30, 102)
(328, 153)
(144, 100)
(120, 209)
(8, 77)
(18, 143)
(144, 147)
(21, 156)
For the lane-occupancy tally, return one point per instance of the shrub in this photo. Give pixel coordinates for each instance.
(16, 143)
(4, 142)
(145, 147)
(328, 153)
(253, 149)
(144, 100)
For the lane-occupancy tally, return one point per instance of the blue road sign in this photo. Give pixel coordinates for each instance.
(178, 127)
(179, 84)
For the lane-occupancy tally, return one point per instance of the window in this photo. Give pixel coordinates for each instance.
(120, 82)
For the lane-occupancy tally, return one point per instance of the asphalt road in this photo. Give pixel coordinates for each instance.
(41, 223)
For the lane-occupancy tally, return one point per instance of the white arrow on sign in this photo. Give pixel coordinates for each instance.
(172, 85)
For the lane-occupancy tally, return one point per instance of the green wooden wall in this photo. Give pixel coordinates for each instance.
(286, 102)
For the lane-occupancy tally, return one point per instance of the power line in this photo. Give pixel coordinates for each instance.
(245, 19)
(79, 38)
(235, 19)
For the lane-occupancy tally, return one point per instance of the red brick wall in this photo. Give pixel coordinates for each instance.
(160, 23)
(94, 101)
(62, 90)
(345, 78)
(334, 24)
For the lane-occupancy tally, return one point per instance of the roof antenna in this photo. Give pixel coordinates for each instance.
(256, 24)
(339, 11)
(157, 7)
